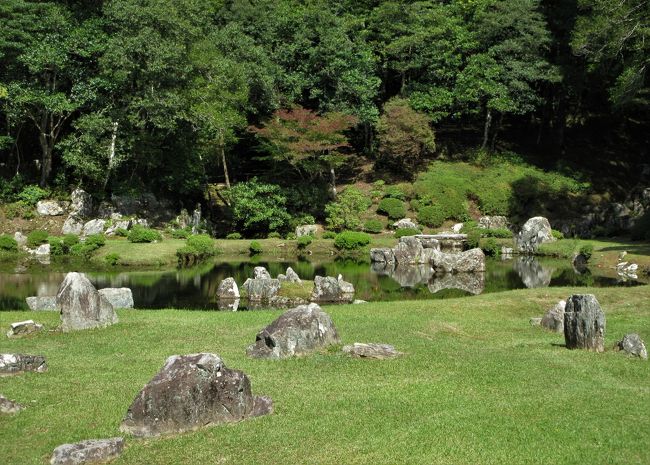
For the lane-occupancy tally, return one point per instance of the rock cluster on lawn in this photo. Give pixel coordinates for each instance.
(24, 328)
(330, 289)
(633, 345)
(9, 407)
(553, 320)
(535, 232)
(298, 331)
(371, 350)
(118, 297)
(191, 392)
(88, 452)
(584, 323)
(82, 306)
(11, 364)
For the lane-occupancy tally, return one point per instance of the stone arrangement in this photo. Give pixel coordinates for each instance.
(191, 392)
(118, 297)
(584, 323)
(88, 452)
(82, 306)
(13, 364)
(329, 289)
(47, 303)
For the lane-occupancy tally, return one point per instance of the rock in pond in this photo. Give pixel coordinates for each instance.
(534, 233)
(47, 303)
(118, 297)
(371, 350)
(11, 364)
(633, 345)
(88, 452)
(24, 328)
(82, 307)
(191, 392)
(584, 323)
(261, 273)
(9, 407)
(228, 290)
(382, 255)
(298, 331)
(329, 289)
(261, 289)
(553, 320)
(409, 251)
(471, 261)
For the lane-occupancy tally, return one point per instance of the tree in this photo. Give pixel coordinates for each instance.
(404, 136)
(258, 207)
(307, 141)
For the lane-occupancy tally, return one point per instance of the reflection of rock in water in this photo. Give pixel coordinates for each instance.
(474, 283)
(412, 275)
(532, 273)
(228, 304)
(382, 269)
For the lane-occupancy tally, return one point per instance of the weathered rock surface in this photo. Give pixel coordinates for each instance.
(405, 223)
(11, 364)
(24, 328)
(584, 323)
(261, 289)
(458, 227)
(493, 222)
(49, 208)
(93, 227)
(20, 239)
(473, 283)
(471, 261)
(506, 252)
(382, 255)
(228, 290)
(633, 345)
(9, 407)
(532, 273)
(261, 273)
(291, 276)
(553, 320)
(73, 225)
(88, 452)
(429, 242)
(371, 350)
(82, 203)
(118, 297)
(329, 289)
(47, 303)
(306, 230)
(579, 263)
(42, 250)
(409, 251)
(191, 392)
(535, 232)
(81, 306)
(298, 331)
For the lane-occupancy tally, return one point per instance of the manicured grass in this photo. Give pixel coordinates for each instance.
(142, 254)
(477, 384)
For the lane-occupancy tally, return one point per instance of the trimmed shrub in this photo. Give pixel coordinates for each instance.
(36, 238)
(255, 248)
(112, 259)
(32, 194)
(373, 226)
(344, 213)
(394, 192)
(401, 232)
(233, 236)
(69, 240)
(140, 234)
(395, 209)
(500, 233)
(95, 240)
(431, 215)
(329, 235)
(121, 232)
(557, 234)
(202, 243)
(351, 240)
(8, 243)
(304, 241)
(291, 236)
(83, 250)
(56, 246)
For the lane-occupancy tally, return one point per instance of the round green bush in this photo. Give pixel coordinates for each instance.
(140, 234)
(431, 215)
(36, 238)
(69, 240)
(394, 192)
(291, 236)
(255, 248)
(351, 240)
(587, 251)
(202, 243)
(329, 235)
(95, 240)
(401, 232)
(557, 234)
(57, 246)
(82, 250)
(32, 194)
(373, 226)
(233, 236)
(112, 258)
(304, 241)
(8, 243)
(395, 209)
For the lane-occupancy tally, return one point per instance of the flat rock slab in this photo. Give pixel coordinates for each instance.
(633, 345)
(584, 323)
(82, 307)
(121, 297)
(37, 304)
(371, 350)
(191, 392)
(9, 407)
(24, 328)
(298, 331)
(12, 364)
(88, 452)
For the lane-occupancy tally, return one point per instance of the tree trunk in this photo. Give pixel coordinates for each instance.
(496, 131)
(333, 182)
(225, 166)
(486, 130)
(46, 158)
(111, 154)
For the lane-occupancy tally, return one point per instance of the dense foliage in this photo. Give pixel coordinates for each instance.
(351, 240)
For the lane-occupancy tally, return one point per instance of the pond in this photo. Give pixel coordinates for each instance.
(195, 288)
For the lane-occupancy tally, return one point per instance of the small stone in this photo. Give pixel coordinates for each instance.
(11, 364)
(457, 228)
(371, 350)
(88, 452)
(359, 302)
(49, 208)
(633, 345)
(9, 407)
(24, 328)
(553, 320)
(405, 223)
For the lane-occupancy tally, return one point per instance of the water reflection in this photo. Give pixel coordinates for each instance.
(472, 283)
(532, 273)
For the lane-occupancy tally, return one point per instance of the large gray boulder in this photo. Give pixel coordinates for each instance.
(371, 350)
(46, 303)
(259, 272)
(95, 226)
(9, 407)
(470, 261)
(535, 232)
(584, 323)
(11, 364)
(306, 230)
(409, 251)
(74, 224)
(382, 255)
(298, 331)
(191, 392)
(553, 320)
(632, 344)
(24, 328)
(88, 452)
(82, 203)
(50, 208)
(81, 306)
(329, 289)
(261, 289)
(473, 283)
(228, 290)
(291, 276)
(118, 297)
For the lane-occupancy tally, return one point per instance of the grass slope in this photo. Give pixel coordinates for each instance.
(477, 385)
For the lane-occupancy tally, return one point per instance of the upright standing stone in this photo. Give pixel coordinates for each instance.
(584, 323)
(81, 306)
(534, 233)
(228, 290)
(261, 273)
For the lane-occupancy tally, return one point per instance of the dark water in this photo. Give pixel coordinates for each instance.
(195, 288)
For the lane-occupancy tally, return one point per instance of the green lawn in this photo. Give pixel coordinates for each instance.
(477, 385)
